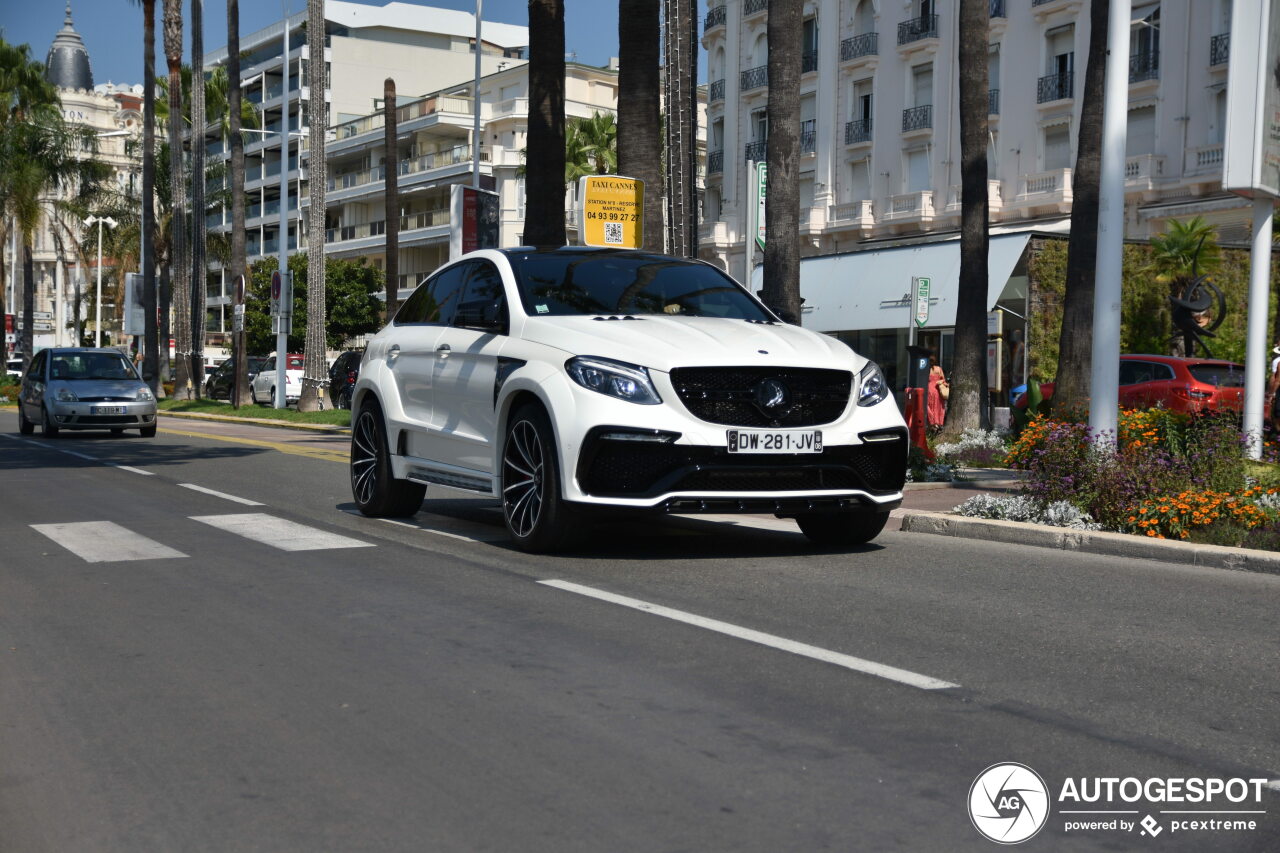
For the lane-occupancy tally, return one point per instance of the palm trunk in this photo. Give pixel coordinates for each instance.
(544, 173)
(315, 371)
(1075, 341)
(198, 276)
(391, 179)
(639, 110)
(782, 208)
(682, 126)
(177, 205)
(28, 302)
(239, 271)
(151, 344)
(967, 406)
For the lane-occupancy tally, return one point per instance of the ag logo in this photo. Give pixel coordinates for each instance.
(1008, 803)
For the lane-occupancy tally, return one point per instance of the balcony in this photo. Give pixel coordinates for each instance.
(752, 7)
(867, 44)
(715, 18)
(914, 207)
(857, 131)
(917, 118)
(715, 162)
(1045, 189)
(917, 29)
(1144, 66)
(808, 61)
(1219, 49)
(1205, 160)
(808, 137)
(1055, 87)
(756, 150)
(993, 102)
(1143, 172)
(995, 201)
(754, 78)
(715, 92)
(856, 214)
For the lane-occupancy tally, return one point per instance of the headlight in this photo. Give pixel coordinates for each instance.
(144, 395)
(614, 379)
(871, 385)
(65, 395)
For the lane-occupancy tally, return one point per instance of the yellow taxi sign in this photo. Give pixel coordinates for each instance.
(611, 211)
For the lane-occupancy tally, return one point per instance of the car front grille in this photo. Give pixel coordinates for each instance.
(108, 399)
(104, 420)
(637, 469)
(728, 395)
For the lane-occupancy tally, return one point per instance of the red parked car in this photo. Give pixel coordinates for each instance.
(1187, 385)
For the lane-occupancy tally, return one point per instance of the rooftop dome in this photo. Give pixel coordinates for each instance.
(67, 66)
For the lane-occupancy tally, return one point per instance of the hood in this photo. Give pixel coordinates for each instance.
(82, 388)
(662, 343)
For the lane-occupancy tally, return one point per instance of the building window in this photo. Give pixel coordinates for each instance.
(1057, 147)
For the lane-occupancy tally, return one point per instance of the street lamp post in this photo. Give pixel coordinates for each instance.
(97, 317)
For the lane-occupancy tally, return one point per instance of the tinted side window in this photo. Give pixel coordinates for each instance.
(436, 299)
(36, 368)
(1161, 372)
(269, 364)
(484, 296)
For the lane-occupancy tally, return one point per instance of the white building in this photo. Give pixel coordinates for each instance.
(881, 143)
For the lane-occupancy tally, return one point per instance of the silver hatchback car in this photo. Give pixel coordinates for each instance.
(80, 388)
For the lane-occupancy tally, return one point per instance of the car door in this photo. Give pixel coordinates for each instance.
(411, 355)
(466, 368)
(265, 379)
(31, 395)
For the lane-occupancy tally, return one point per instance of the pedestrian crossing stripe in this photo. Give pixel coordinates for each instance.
(105, 542)
(278, 532)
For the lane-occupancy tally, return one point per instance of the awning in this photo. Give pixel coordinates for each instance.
(871, 289)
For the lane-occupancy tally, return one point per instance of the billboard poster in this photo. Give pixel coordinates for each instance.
(474, 220)
(611, 211)
(1251, 145)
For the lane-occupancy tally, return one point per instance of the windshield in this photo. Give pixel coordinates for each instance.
(90, 365)
(1221, 375)
(557, 284)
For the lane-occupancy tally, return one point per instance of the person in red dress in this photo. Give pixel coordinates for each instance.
(936, 397)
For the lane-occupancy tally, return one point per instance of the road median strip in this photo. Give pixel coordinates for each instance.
(1091, 541)
(270, 422)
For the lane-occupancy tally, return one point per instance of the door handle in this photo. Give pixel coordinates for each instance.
(393, 352)
(443, 351)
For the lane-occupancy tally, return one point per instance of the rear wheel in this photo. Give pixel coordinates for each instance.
(376, 492)
(842, 528)
(537, 518)
(25, 426)
(47, 426)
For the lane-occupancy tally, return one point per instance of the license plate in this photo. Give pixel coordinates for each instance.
(108, 410)
(774, 441)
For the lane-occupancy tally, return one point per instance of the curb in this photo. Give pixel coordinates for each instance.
(1091, 542)
(993, 485)
(227, 419)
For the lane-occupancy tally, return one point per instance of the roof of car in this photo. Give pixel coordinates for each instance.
(1177, 359)
(589, 250)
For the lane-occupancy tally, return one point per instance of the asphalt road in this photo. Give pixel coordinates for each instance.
(422, 686)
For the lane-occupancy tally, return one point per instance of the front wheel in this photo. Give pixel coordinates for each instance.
(537, 518)
(842, 528)
(377, 493)
(25, 426)
(47, 426)
(148, 431)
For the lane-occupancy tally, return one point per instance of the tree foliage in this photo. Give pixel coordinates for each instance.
(351, 305)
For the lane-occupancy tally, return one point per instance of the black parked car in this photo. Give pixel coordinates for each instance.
(222, 380)
(342, 378)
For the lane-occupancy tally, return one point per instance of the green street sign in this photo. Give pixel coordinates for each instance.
(762, 192)
(920, 286)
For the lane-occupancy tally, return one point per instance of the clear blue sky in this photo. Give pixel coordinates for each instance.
(112, 29)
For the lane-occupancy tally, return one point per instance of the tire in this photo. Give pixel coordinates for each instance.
(47, 426)
(842, 528)
(148, 431)
(344, 398)
(253, 395)
(376, 493)
(25, 426)
(537, 519)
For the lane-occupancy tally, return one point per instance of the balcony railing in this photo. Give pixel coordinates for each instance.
(1052, 186)
(914, 205)
(1219, 49)
(715, 162)
(997, 9)
(867, 44)
(751, 7)
(808, 61)
(1055, 87)
(955, 197)
(756, 150)
(915, 29)
(857, 131)
(715, 18)
(993, 102)
(716, 91)
(1143, 169)
(1144, 66)
(754, 78)
(917, 118)
(808, 137)
(1206, 159)
(858, 212)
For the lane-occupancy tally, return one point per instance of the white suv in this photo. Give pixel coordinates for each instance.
(569, 379)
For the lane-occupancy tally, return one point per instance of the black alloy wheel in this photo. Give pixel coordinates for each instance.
(376, 492)
(838, 529)
(47, 426)
(537, 519)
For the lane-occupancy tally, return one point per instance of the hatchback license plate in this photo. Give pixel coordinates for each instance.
(108, 410)
(774, 441)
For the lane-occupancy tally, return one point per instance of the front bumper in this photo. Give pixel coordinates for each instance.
(89, 415)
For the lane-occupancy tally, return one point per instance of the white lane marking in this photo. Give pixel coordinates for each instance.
(81, 455)
(278, 532)
(223, 495)
(105, 542)
(134, 470)
(867, 667)
(428, 530)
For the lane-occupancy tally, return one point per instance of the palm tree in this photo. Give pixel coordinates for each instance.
(681, 39)
(640, 143)
(1187, 250)
(1075, 342)
(182, 386)
(967, 405)
(238, 268)
(782, 209)
(544, 208)
(598, 137)
(315, 367)
(217, 97)
(198, 212)
(391, 184)
(151, 343)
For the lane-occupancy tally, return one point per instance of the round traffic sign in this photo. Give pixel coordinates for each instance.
(275, 285)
